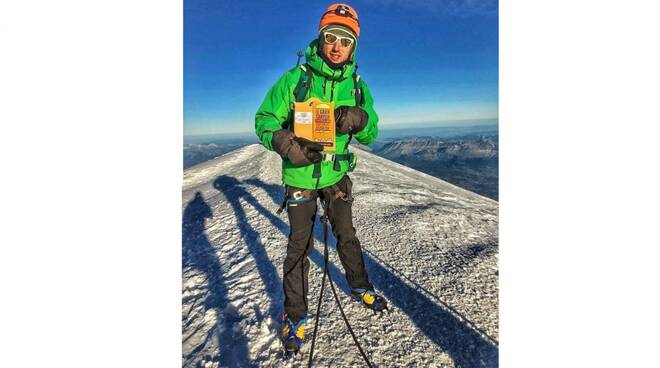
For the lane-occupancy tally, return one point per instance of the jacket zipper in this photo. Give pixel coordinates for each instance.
(324, 89)
(332, 90)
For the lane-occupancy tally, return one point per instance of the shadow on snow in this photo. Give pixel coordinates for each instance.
(199, 254)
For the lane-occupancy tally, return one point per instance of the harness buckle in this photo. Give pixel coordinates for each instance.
(297, 195)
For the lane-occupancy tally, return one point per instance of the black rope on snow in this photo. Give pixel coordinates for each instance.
(346, 319)
(318, 308)
(324, 219)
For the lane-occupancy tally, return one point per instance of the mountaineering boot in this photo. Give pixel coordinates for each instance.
(293, 334)
(369, 299)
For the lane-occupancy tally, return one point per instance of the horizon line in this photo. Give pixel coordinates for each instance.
(382, 126)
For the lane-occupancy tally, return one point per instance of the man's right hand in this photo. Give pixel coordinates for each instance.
(299, 151)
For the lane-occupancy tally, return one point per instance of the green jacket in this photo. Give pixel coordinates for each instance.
(328, 85)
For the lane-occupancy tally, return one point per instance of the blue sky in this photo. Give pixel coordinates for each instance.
(424, 61)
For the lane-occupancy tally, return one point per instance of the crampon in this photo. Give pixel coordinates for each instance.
(369, 299)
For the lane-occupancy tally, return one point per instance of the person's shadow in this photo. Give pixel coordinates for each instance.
(234, 192)
(466, 347)
(199, 255)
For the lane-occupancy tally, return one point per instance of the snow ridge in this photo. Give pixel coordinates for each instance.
(430, 248)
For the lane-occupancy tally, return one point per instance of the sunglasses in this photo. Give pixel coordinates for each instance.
(331, 38)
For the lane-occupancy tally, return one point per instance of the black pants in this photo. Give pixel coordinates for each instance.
(301, 240)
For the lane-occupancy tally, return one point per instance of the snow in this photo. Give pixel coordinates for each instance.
(430, 248)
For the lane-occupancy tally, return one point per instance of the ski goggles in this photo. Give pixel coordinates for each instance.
(331, 39)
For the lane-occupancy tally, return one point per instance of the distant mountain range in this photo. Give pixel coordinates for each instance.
(470, 161)
(195, 153)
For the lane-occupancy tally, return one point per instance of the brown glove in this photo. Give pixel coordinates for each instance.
(299, 151)
(350, 119)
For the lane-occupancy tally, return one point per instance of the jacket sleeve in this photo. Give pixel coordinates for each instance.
(369, 134)
(274, 110)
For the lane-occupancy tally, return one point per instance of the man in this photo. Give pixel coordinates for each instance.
(330, 75)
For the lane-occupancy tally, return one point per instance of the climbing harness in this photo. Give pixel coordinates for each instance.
(297, 197)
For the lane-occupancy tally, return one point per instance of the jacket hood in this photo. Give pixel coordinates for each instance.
(319, 65)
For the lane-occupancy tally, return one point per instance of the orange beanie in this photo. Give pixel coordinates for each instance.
(341, 14)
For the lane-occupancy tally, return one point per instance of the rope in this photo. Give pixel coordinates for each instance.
(324, 219)
(318, 306)
(346, 319)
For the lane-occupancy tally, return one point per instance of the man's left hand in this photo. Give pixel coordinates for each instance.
(350, 119)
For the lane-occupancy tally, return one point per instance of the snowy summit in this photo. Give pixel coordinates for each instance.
(430, 249)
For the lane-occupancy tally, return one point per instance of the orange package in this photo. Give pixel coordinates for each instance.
(315, 120)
